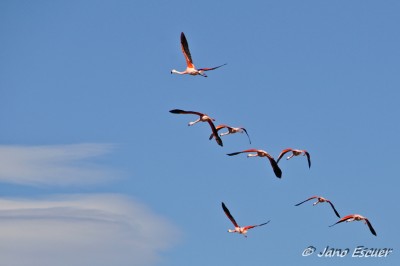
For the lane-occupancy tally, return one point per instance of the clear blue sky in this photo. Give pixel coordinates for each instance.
(94, 170)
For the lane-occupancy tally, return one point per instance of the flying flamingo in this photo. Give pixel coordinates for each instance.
(202, 118)
(241, 230)
(262, 153)
(231, 130)
(191, 69)
(319, 200)
(295, 153)
(356, 217)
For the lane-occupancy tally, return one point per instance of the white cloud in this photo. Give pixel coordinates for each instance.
(100, 229)
(53, 165)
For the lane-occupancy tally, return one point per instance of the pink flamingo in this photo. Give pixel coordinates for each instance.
(262, 153)
(202, 118)
(191, 69)
(319, 200)
(295, 153)
(238, 229)
(231, 130)
(356, 217)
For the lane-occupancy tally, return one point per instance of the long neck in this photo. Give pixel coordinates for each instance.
(174, 71)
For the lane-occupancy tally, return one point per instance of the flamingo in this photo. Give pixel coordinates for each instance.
(295, 153)
(238, 229)
(202, 118)
(231, 130)
(191, 69)
(356, 217)
(319, 200)
(262, 153)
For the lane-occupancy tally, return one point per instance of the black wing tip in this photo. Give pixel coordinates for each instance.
(278, 174)
(277, 170)
(265, 223)
(225, 208)
(176, 111)
(371, 228)
(219, 140)
(335, 223)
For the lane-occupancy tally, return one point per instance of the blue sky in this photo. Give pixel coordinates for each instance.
(93, 166)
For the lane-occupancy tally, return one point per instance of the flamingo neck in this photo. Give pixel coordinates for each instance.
(174, 71)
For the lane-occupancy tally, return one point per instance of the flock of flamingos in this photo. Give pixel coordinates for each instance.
(192, 70)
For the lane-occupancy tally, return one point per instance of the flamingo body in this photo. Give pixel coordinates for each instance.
(202, 118)
(231, 130)
(356, 217)
(320, 200)
(238, 229)
(190, 68)
(295, 153)
(262, 153)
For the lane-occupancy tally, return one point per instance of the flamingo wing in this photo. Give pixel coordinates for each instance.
(218, 128)
(215, 133)
(283, 153)
(245, 131)
(236, 153)
(275, 167)
(229, 215)
(179, 111)
(343, 219)
(308, 158)
(333, 207)
(210, 68)
(370, 227)
(186, 51)
(313, 197)
(252, 226)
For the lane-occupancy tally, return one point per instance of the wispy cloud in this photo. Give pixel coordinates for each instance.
(53, 165)
(100, 229)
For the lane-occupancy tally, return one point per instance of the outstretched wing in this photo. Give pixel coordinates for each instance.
(229, 215)
(236, 153)
(308, 158)
(215, 133)
(275, 167)
(252, 226)
(370, 227)
(333, 207)
(343, 219)
(210, 68)
(186, 51)
(245, 131)
(179, 111)
(218, 128)
(283, 153)
(313, 197)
